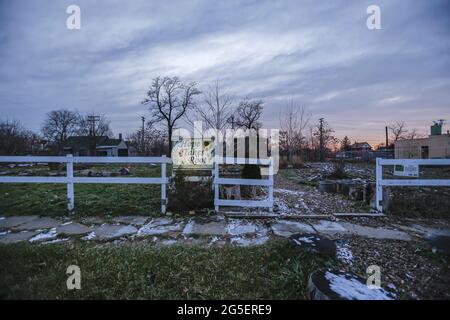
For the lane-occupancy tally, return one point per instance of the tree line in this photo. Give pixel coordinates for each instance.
(172, 103)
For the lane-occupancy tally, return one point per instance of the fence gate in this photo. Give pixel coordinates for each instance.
(265, 203)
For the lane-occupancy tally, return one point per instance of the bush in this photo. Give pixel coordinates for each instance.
(338, 170)
(251, 171)
(186, 195)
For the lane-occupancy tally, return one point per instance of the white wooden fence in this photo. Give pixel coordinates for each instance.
(265, 203)
(380, 182)
(70, 180)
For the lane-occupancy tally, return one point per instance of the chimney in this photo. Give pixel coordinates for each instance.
(120, 136)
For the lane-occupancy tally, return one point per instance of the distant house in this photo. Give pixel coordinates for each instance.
(95, 146)
(360, 147)
(358, 151)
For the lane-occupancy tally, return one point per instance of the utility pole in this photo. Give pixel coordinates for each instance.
(321, 139)
(143, 133)
(387, 143)
(92, 119)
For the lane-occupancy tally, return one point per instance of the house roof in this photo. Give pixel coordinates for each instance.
(361, 145)
(84, 141)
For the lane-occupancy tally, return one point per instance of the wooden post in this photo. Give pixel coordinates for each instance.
(163, 185)
(271, 185)
(378, 185)
(216, 186)
(70, 189)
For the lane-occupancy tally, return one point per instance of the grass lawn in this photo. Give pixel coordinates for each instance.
(90, 199)
(275, 270)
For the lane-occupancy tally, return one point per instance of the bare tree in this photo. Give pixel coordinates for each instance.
(154, 142)
(323, 134)
(87, 127)
(293, 123)
(59, 125)
(248, 113)
(345, 144)
(398, 130)
(16, 140)
(169, 100)
(415, 134)
(216, 109)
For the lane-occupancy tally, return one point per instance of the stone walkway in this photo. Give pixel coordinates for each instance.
(211, 231)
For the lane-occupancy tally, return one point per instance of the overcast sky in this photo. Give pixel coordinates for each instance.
(320, 53)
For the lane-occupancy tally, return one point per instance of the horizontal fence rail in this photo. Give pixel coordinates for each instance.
(380, 182)
(264, 203)
(70, 180)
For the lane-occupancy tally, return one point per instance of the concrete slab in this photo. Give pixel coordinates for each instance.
(439, 243)
(375, 233)
(338, 285)
(314, 243)
(73, 228)
(210, 228)
(14, 221)
(45, 236)
(134, 220)
(152, 229)
(249, 242)
(112, 231)
(237, 227)
(286, 228)
(14, 237)
(328, 227)
(38, 223)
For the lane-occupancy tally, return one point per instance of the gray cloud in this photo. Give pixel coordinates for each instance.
(318, 52)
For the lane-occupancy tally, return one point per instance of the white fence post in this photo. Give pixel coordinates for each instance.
(271, 184)
(163, 184)
(70, 188)
(216, 186)
(378, 185)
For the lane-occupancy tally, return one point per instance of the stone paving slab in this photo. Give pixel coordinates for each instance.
(152, 229)
(14, 221)
(45, 236)
(38, 223)
(73, 228)
(134, 220)
(14, 237)
(249, 242)
(286, 228)
(112, 231)
(209, 228)
(238, 227)
(328, 227)
(376, 233)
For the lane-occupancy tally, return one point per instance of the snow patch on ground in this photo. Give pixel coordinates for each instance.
(90, 236)
(248, 242)
(44, 235)
(353, 289)
(288, 192)
(238, 227)
(343, 253)
(55, 241)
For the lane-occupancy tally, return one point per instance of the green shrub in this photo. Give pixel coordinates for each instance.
(186, 195)
(251, 171)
